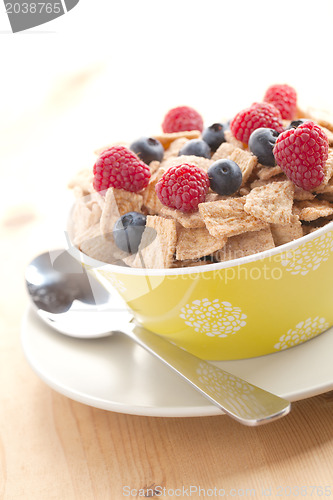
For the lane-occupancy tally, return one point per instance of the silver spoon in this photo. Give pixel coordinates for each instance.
(76, 304)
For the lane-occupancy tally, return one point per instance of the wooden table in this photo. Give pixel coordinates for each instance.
(54, 448)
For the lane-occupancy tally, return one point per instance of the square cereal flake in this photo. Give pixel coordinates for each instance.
(245, 244)
(158, 244)
(228, 217)
(271, 203)
(196, 243)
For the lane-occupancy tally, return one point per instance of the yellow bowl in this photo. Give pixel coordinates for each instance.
(248, 307)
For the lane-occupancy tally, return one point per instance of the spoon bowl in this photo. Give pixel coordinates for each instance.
(66, 297)
(76, 304)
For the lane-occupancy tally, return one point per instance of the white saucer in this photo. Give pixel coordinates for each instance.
(114, 374)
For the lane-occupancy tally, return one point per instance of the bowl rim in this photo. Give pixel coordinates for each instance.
(117, 269)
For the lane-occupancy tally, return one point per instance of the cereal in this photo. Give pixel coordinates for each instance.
(232, 140)
(244, 191)
(167, 139)
(199, 161)
(312, 210)
(319, 116)
(196, 243)
(329, 134)
(300, 194)
(245, 244)
(261, 182)
(187, 220)
(328, 172)
(158, 243)
(118, 202)
(93, 243)
(266, 173)
(83, 180)
(271, 203)
(149, 197)
(246, 162)
(268, 210)
(175, 147)
(154, 167)
(228, 217)
(110, 213)
(223, 151)
(83, 217)
(215, 197)
(127, 202)
(283, 233)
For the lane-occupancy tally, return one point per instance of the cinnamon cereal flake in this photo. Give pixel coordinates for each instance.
(312, 210)
(84, 217)
(322, 117)
(246, 162)
(223, 151)
(84, 181)
(328, 169)
(167, 139)
(271, 203)
(196, 243)
(118, 202)
(283, 233)
(94, 244)
(300, 194)
(329, 134)
(188, 220)
(154, 167)
(266, 173)
(158, 243)
(228, 217)
(232, 140)
(245, 244)
(216, 197)
(175, 147)
(199, 161)
(150, 199)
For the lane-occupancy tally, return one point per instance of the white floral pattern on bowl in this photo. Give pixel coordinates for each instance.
(303, 331)
(213, 318)
(309, 256)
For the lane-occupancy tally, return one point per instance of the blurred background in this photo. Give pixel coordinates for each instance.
(109, 71)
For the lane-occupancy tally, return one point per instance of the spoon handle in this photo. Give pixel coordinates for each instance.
(241, 400)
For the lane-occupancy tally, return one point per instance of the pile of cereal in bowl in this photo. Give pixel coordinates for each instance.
(192, 195)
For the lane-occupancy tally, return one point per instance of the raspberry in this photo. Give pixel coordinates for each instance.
(181, 119)
(183, 187)
(118, 167)
(284, 98)
(260, 114)
(302, 153)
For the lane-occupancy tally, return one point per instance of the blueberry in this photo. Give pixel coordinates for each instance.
(127, 231)
(196, 147)
(214, 135)
(225, 177)
(261, 144)
(296, 123)
(148, 149)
